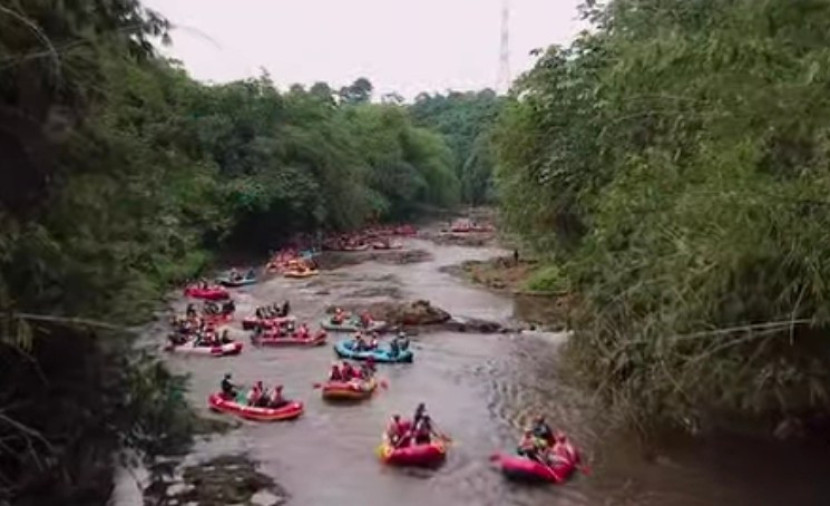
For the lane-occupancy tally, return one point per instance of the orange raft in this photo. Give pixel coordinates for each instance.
(295, 339)
(349, 390)
(290, 411)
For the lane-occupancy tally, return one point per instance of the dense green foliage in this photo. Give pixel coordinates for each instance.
(120, 175)
(466, 120)
(674, 162)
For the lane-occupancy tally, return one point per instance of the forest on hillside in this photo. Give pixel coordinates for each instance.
(123, 175)
(671, 163)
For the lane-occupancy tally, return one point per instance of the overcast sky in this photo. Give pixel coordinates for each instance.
(406, 46)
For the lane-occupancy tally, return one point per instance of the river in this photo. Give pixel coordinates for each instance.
(480, 389)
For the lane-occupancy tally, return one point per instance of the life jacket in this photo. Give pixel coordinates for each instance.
(335, 374)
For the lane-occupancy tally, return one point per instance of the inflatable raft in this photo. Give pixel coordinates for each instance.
(210, 293)
(425, 455)
(273, 339)
(252, 322)
(564, 459)
(227, 281)
(301, 274)
(190, 348)
(290, 411)
(217, 319)
(349, 390)
(345, 349)
(352, 325)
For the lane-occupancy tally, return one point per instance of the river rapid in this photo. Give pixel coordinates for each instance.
(480, 389)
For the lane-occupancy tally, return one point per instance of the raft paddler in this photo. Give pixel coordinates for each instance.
(347, 372)
(423, 431)
(277, 400)
(529, 446)
(335, 374)
(228, 388)
(542, 430)
(396, 431)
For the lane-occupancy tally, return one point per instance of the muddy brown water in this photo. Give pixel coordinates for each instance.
(480, 389)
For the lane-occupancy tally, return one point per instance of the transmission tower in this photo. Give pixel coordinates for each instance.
(503, 79)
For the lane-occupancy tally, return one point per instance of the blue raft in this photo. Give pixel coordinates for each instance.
(345, 349)
(227, 281)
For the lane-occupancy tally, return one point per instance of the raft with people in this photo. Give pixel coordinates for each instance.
(252, 322)
(206, 292)
(413, 443)
(235, 279)
(542, 455)
(342, 321)
(277, 338)
(356, 389)
(191, 347)
(347, 349)
(300, 273)
(288, 411)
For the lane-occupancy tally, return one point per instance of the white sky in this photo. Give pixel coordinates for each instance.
(406, 46)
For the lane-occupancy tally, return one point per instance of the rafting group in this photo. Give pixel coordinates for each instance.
(198, 334)
(541, 453)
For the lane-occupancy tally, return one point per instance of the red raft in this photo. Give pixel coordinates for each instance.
(290, 411)
(424, 455)
(217, 319)
(276, 339)
(412, 455)
(564, 460)
(253, 322)
(209, 293)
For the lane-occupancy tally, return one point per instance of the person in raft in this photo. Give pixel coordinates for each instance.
(394, 348)
(251, 273)
(255, 394)
(530, 447)
(365, 319)
(373, 342)
(228, 388)
(420, 412)
(303, 332)
(359, 343)
(234, 274)
(347, 372)
(286, 308)
(542, 430)
(338, 317)
(423, 431)
(226, 338)
(396, 432)
(335, 374)
(228, 307)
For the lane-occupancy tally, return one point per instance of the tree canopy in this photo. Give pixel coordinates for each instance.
(122, 175)
(466, 121)
(673, 161)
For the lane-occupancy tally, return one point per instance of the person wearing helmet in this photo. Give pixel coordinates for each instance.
(395, 431)
(424, 431)
(347, 371)
(420, 411)
(335, 374)
(277, 400)
(228, 388)
(529, 446)
(542, 430)
(403, 341)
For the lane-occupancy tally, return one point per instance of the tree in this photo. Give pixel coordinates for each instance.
(358, 92)
(673, 163)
